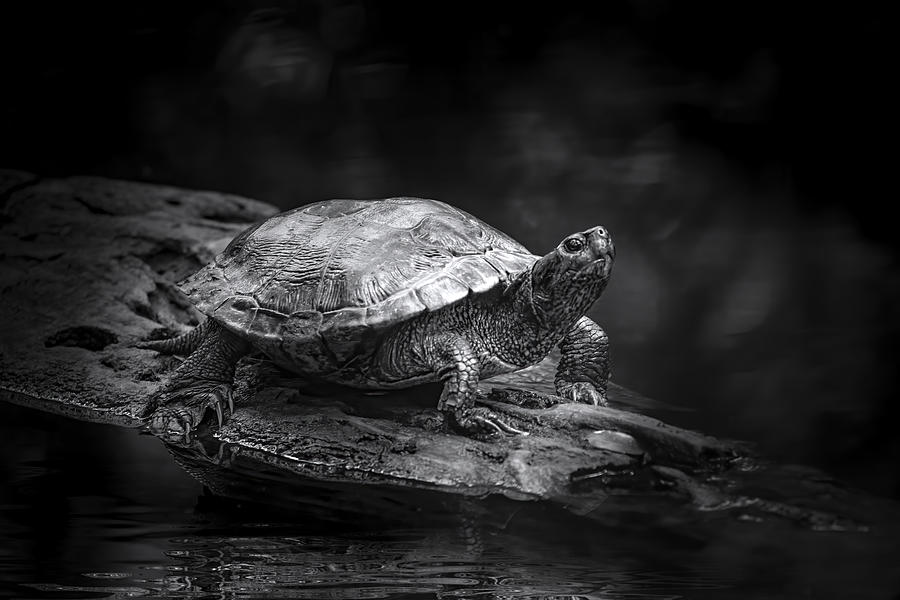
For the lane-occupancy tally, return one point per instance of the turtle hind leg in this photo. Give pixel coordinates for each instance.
(200, 384)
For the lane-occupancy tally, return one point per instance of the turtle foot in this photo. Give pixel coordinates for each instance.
(482, 420)
(583, 393)
(183, 410)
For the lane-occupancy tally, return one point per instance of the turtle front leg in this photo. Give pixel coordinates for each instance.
(202, 382)
(458, 367)
(583, 371)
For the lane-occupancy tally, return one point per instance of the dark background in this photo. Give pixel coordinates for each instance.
(736, 151)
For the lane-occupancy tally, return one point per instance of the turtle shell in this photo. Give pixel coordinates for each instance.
(340, 269)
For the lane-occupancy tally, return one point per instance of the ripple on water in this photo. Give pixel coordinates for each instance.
(107, 575)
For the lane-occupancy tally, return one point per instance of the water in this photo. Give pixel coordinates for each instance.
(96, 511)
(756, 277)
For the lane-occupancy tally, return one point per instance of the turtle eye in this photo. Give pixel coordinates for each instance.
(573, 244)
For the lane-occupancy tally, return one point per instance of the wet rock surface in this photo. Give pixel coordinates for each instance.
(89, 268)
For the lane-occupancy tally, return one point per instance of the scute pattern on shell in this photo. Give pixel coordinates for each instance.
(379, 261)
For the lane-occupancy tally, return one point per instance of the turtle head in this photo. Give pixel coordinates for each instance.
(565, 282)
(581, 256)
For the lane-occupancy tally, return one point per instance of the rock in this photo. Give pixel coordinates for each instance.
(87, 268)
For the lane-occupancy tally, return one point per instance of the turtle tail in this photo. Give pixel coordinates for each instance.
(182, 345)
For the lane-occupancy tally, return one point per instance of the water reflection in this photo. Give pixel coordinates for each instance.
(275, 560)
(395, 564)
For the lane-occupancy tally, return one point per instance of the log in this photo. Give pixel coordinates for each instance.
(88, 269)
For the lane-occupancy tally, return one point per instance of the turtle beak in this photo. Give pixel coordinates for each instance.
(602, 247)
(601, 243)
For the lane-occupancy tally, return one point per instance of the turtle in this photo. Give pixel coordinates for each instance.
(391, 293)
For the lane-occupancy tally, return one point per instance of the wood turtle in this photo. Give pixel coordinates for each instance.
(381, 294)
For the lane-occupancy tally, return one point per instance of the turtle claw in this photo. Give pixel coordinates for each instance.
(184, 409)
(583, 392)
(481, 419)
(499, 426)
(510, 429)
(219, 416)
(488, 424)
